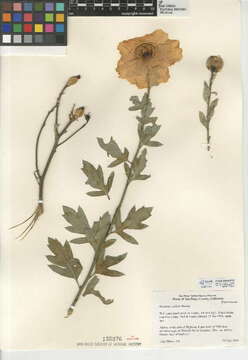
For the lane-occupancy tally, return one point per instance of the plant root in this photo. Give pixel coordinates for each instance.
(32, 219)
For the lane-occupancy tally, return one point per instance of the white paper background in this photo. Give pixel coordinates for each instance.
(188, 138)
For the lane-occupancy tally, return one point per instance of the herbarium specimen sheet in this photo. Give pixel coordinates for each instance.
(140, 242)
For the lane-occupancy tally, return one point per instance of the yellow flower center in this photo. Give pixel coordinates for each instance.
(145, 51)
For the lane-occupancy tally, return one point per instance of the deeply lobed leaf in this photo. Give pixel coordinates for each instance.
(134, 220)
(95, 179)
(63, 262)
(138, 166)
(104, 262)
(113, 149)
(90, 289)
(77, 219)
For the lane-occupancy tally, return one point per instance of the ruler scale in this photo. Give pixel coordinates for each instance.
(112, 7)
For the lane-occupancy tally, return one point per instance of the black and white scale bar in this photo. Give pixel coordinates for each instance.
(112, 7)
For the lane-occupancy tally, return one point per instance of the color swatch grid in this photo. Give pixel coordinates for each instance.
(33, 22)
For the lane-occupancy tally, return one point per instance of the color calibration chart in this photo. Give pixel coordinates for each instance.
(32, 22)
(113, 7)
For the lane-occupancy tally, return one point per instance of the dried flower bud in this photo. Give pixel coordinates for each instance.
(215, 63)
(73, 80)
(78, 112)
(87, 117)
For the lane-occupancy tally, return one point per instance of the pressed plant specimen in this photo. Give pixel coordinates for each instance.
(144, 62)
(61, 135)
(214, 64)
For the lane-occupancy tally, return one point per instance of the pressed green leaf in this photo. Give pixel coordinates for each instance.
(115, 163)
(112, 148)
(110, 181)
(96, 193)
(206, 92)
(99, 230)
(61, 271)
(136, 217)
(147, 109)
(110, 272)
(96, 233)
(77, 219)
(90, 289)
(68, 250)
(91, 285)
(109, 242)
(139, 165)
(91, 235)
(142, 177)
(95, 178)
(134, 220)
(66, 271)
(56, 260)
(119, 161)
(56, 247)
(114, 260)
(140, 131)
(144, 100)
(94, 175)
(128, 237)
(80, 240)
(102, 298)
(154, 143)
(100, 173)
(63, 263)
(104, 223)
(212, 107)
(140, 162)
(137, 104)
(203, 119)
(117, 219)
(127, 169)
(146, 119)
(101, 256)
(148, 133)
(103, 264)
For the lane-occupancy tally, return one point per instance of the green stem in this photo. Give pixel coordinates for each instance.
(37, 172)
(210, 84)
(74, 133)
(56, 123)
(40, 176)
(99, 247)
(208, 138)
(58, 135)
